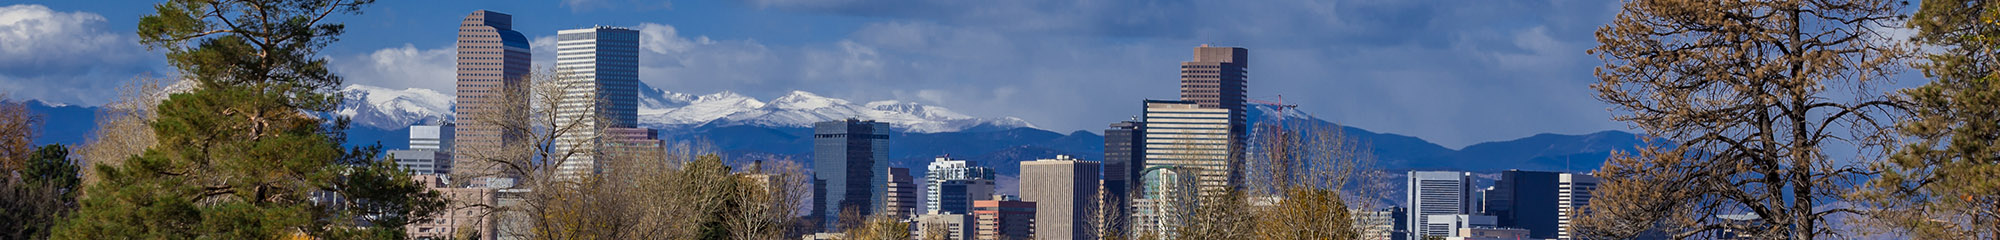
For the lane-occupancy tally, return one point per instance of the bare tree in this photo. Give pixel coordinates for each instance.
(1741, 91)
(17, 134)
(123, 128)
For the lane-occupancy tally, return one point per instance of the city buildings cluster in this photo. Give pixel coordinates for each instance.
(1155, 170)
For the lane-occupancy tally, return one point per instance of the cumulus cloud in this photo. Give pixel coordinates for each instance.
(66, 57)
(402, 67)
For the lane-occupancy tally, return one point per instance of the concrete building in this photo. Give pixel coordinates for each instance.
(423, 162)
(850, 169)
(1003, 219)
(1453, 222)
(432, 137)
(953, 185)
(1182, 133)
(493, 60)
(1490, 234)
(1384, 224)
(1573, 195)
(461, 218)
(1065, 194)
(954, 226)
(598, 69)
(630, 143)
(1124, 157)
(1434, 193)
(1525, 200)
(1166, 194)
(901, 201)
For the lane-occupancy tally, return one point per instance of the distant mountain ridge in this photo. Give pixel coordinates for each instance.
(389, 109)
(748, 128)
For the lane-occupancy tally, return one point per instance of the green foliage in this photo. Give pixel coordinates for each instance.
(44, 192)
(242, 157)
(1941, 184)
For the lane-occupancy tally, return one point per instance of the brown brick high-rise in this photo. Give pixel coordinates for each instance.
(1218, 77)
(493, 59)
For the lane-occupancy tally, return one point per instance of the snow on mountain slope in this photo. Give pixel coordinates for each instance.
(385, 108)
(802, 109)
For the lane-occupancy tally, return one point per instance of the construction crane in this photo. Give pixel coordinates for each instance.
(1280, 104)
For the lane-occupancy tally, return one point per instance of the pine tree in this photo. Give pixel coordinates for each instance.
(1941, 185)
(244, 156)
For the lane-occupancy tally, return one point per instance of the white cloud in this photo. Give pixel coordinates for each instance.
(65, 56)
(403, 67)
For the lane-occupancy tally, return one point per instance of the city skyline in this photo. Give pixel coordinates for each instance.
(379, 52)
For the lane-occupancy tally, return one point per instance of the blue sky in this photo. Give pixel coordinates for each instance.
(1455, 72)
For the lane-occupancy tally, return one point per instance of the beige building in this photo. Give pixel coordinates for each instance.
(901, 200)
(1064, 191)
(1003, 219)
(493, 60)
(462, 217)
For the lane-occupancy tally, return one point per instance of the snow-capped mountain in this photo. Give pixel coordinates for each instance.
(802, 109)
(385, 108)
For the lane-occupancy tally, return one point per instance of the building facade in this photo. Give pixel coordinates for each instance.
(1124, 157)
(493, 61)
(1182, 133)
(952, 185)
(1218, 78)
(1064, 190)
(1003, 219)
(598, 71)
(953, 226)
(1434, 193)
(850, 169)
(901, 200)
(423, 162)
(1166, 194)
(1573, 196)
(462, 217)
(432, 137)
(1525, 200)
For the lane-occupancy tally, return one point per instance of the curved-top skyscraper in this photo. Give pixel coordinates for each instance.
(493, 59)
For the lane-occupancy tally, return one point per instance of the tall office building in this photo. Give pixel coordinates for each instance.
(1124, 156)
(1573, 195)
(1182, 133)
(1065, 194)
(1218, 77)
(422, 162)
(598, 69)
(1436, 193)
(1523, 199)
(432, 137)
(493, 60)
(1384, 224)
(628, 143)
(1167, 193)
(953, 185)
(901, 201)
(850, 169)
(1003, 219)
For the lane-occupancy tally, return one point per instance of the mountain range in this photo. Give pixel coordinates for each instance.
(748, 128)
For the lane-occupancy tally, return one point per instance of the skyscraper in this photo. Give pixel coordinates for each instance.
(1182, 133)
(1065, 193)
(1436, 193)
(1524, 200)
(850, 169)
(493, 60)
(1573, 194)
(598, 69)
(1124, 156)
(901, 200)
(1218, 77)
(954, 184)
